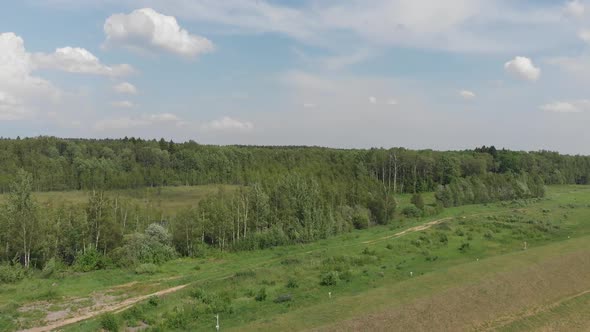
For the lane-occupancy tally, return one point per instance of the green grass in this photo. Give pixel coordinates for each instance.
(166, 199)
(373, 271)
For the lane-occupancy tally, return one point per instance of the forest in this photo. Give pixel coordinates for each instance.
(282, 195)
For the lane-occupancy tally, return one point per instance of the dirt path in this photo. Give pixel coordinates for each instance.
(411, 230)
(112, 308)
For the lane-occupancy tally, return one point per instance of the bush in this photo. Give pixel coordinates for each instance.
(154, 301)
(292, 283)
(418, 201)
(90, 260)
(412, 211)
(51, 268)
(464, 246)
(261, 296)
(361, 218)
(11, 273)
(148, 268)
(283, 298)
(330, 278)
(442, 238)
(109, 322)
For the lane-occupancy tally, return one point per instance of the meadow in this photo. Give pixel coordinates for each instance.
(466, 268)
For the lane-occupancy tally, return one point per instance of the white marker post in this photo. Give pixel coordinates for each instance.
(411, 274)
(330, 295)
(217, 326)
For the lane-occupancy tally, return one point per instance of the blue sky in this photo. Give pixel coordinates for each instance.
(448, 74)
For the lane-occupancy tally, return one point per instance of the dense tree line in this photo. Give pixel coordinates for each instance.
(490, 187)
(64, 164)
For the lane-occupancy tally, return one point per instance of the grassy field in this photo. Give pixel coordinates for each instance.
(465, 269)
(166, 199)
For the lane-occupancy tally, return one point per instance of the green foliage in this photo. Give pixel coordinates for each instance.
(52, 268)
(412, 211)
(261, 295)
(90, 260)
(490, 187)
(464, 247)
(152, 247)
(11, 273)
(418, 201)
(109, 322)
(329, 278)
(292, 283)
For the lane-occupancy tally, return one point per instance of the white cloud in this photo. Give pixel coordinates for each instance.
(466, 94)
(163, 117)
(576, 106)
(392, 102)
(584, 35)
(228, 124)
(21, 92)
(309, 105)
(523, 68)
(78, 60)
(123, 104)
(147, 29)
(373, 100)
(452, 25)
(11, 108)
(574, 8)
(125, 88)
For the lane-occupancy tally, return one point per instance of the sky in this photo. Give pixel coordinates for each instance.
(422, 74)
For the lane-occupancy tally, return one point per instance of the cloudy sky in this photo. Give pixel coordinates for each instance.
(435, 74)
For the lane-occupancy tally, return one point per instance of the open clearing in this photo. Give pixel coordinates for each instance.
(462, 270)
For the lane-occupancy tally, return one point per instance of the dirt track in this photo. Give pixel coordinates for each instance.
(112, 308)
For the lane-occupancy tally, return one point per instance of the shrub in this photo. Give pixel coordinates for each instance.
(90, 260)
(148, 268)
(345, 276)
(283, 298)
(154, 301)
(412, 211)
(368, 251)
(442, 238)
(418, 201)
(360, 218)
(292, 283)
(109, 322)
(179, 317)
(11, 273)
(261, 295)
(51, 268)
(464, 246)
(329, 279)
(389, 246)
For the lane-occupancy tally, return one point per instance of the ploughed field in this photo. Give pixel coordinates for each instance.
(465, 269)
